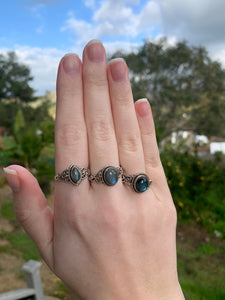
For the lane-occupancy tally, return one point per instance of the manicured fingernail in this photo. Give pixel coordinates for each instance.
(71, 64)
(95, 51)
(118, 69)
(143, 107)
(13, 179)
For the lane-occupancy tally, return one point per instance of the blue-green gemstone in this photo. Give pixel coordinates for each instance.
(74, 174)
(142, 183)
(110, 176)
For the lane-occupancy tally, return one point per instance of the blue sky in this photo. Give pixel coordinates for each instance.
(42, 31)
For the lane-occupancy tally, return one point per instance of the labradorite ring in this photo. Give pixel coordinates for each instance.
(73, 174)
(108, 175)
(139, 182)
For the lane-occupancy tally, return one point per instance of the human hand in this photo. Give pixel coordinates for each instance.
(104, 242)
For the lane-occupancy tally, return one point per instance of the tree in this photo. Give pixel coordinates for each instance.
(185, 87)
(14, 79)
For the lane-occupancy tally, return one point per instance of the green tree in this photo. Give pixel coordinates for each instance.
(29, 141)
(15, 79)
(19, 126)
(185, 87)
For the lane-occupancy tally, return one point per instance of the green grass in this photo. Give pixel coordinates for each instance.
(7, 211)
(8, 142)
(20, 243)
(201, 269)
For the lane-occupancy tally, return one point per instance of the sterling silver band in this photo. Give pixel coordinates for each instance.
(139, 182)
(108, 175)
(73, 174)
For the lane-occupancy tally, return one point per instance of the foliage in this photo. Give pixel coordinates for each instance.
(7, 211)
(20, 243)
(37, 115)
(45, 172)
(185, 87)
(28, 140)
(19, 126)
(198, 189)
(14, 79)
(47, 128)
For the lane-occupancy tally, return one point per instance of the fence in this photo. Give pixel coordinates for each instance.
(31, 270)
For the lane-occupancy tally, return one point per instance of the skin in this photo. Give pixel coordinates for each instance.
(103, 242)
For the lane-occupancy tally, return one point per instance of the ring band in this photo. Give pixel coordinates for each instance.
(139, 182)
(108, 175)
(73, 174)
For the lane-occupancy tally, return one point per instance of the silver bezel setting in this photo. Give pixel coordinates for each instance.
(66, 175)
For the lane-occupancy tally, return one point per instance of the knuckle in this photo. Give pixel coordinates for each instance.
(70, 135)
(92, 78)
(153, 161)
(101, 130)
(124, 100)
(130, 143)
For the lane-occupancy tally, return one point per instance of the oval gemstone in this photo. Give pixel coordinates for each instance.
(141, 183)
(110, 176)
(75, 175)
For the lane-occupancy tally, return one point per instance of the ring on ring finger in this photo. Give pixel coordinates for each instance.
(108, 175)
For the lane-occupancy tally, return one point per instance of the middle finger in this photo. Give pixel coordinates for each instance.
(101, 135)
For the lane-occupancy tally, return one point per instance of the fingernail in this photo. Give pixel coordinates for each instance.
(95, 51)
(13, 179)
(143, 107)
(71, 64)
(118, 69)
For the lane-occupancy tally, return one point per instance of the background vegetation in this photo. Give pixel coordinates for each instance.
(186, 90)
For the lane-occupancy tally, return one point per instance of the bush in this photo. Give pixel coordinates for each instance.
(198, 189)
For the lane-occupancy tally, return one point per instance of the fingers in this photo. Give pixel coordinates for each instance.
(70, 129)
(151, 152)
(101, 135)
(147, 128)
(125, 120)
(31, 209)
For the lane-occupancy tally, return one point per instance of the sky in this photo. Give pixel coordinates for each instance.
(42, 31)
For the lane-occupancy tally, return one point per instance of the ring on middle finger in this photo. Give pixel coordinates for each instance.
(108, 175)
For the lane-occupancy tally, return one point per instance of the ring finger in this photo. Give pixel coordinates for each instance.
(101, 135)
(127, 130)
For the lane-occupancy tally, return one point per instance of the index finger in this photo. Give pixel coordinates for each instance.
(70, 129)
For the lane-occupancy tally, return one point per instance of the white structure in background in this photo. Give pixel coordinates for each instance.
(180, 135)
(217, 147)
(183, 135)
(201, 140)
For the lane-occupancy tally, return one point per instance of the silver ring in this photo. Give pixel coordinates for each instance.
(108, 175)
(139, 182)
(73, 174)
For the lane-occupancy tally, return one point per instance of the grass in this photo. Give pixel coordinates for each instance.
(19, 244)
(7, 211)
(201, 264)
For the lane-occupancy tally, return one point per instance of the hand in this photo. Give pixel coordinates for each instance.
(104, 242)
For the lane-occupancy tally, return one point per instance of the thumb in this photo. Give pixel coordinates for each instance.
(31, 209)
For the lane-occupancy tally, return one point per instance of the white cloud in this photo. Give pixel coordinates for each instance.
(89, 3)
(200, 22)
(43, 64)
(120, 25)
(115, 19)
